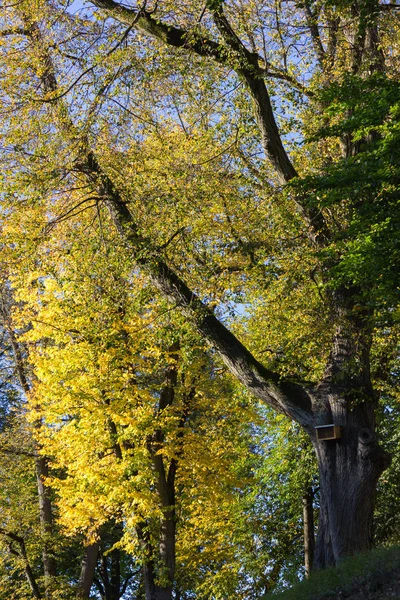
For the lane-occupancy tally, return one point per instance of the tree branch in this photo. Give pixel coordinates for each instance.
(314, 31)
(284, 396)
(248, 67)
(22, 554)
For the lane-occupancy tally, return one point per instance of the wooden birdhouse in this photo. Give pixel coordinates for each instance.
(328, 432)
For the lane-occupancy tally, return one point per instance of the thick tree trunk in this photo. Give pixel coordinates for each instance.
(349, 467)
(349, 470)
(154, 591)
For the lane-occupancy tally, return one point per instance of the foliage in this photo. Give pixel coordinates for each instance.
(137, 207)
(365, 251)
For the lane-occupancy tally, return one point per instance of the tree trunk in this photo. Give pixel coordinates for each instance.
(308, 525)
(349, 467)
(88, 567)
(46, 520)
(153, 590)
(349, 470)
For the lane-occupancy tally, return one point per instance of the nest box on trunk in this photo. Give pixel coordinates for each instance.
(328, 432)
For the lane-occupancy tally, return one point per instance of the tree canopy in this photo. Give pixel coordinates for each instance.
(199, 236)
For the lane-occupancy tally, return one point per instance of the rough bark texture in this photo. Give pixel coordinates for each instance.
(349, 467)
(349, 470)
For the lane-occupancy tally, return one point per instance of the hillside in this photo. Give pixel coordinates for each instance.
(371, 576)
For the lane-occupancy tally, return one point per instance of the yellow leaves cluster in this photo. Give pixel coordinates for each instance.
(99, 344)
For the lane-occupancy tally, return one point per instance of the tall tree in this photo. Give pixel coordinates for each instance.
(184, 192)
(30, 543)
(134, 419)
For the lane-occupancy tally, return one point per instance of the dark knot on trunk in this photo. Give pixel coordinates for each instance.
(366, 437)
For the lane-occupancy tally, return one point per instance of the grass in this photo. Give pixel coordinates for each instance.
(370, 568)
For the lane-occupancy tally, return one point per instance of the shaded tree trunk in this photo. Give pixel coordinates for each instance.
(46, 520)
(349, 470)
(308, 525)
(349, 467)
(152, 589)
(88, 567)
(159, 568)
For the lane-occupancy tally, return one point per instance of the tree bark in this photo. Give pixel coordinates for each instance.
(88, 567)
(349, 467)
(349, 470)
(308, 526)
(46, 519)
(152, 590)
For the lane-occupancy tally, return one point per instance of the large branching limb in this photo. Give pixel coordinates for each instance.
(22, 554)
(249, 69)
(247, 66)
(169, 34)
(285, 396)
(197, 42)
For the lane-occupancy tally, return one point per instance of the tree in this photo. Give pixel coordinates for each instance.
(144, 453)
(324, 218)
(30, 543)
